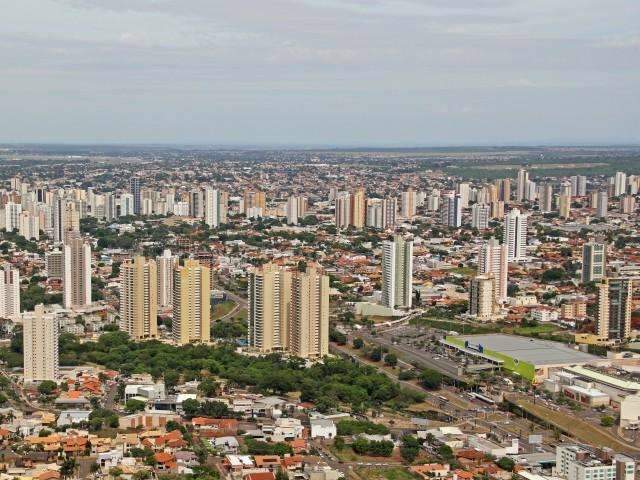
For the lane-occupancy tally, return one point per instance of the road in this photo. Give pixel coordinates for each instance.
(412, 356)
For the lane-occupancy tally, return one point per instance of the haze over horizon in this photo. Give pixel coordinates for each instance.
(413, 73)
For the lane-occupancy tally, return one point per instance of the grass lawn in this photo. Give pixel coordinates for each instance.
(223, 308)
(545, 328)
(465, 271)
(381, 473)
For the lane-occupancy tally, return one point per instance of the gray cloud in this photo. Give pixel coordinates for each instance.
(321, 71)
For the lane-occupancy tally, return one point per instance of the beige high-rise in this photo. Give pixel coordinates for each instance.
(40, 348)
(288, 311)
(76, 276)
(191, 303)
(269, 295)
(309, 317)
(358, 208)
(139, 298)
(482, 297)
(613, 318)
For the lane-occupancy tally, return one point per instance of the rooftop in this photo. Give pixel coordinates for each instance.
(535, 351)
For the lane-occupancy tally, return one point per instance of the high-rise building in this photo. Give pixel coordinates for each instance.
(451, 211)
(196, 203)
(215, 207)
(463, 189)
(76, 278)
(134, 190)
(578, 185)
(531, 191)
(12, 213)
(269, 298)
(397, 272)
(358, 208)
(619, 184)
(166, 265)
(480, 214)
(29, 226)
(110, 206)
(497, 209)
(40, 346)
(288, 311)
(482, 297)
(515, 234)
(615, 298)
(139, 298)
(54, 263)
(602, 204)
(594, 261)
(503, 189)
(59, 213)
(627, 204)
(521, 185)
(9, 291)
(381, 212)
(343, 210)
(564, 206)
(574, 462)
(127, 203)
(191, 303)
(408, 204)
(493, 259)
(254, 203)
(296, 209)
(309, 318)
(546, 198)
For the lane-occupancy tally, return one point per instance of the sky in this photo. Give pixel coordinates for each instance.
(320, 72)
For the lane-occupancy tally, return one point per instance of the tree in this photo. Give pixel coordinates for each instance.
(47, 387)
(391, 359)
(376, 354)
(214, 409)
(208, 387)
(190, 407)
(68, 467)
(445, 452)
(133, 405)
(410, 448)
(506, 463)
(358, 343)
(338, 443)
(430, 379)
(607, 421)
(281, 475)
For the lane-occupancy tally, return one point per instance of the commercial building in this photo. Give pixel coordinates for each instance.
(613, 318)
(139, 298)
(397, 272)
(191, 303)
(76, 272)
(575, 462)
(530, 358)
(40, 347)
(9, 291)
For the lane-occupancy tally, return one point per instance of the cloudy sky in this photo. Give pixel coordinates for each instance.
(331, 72)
